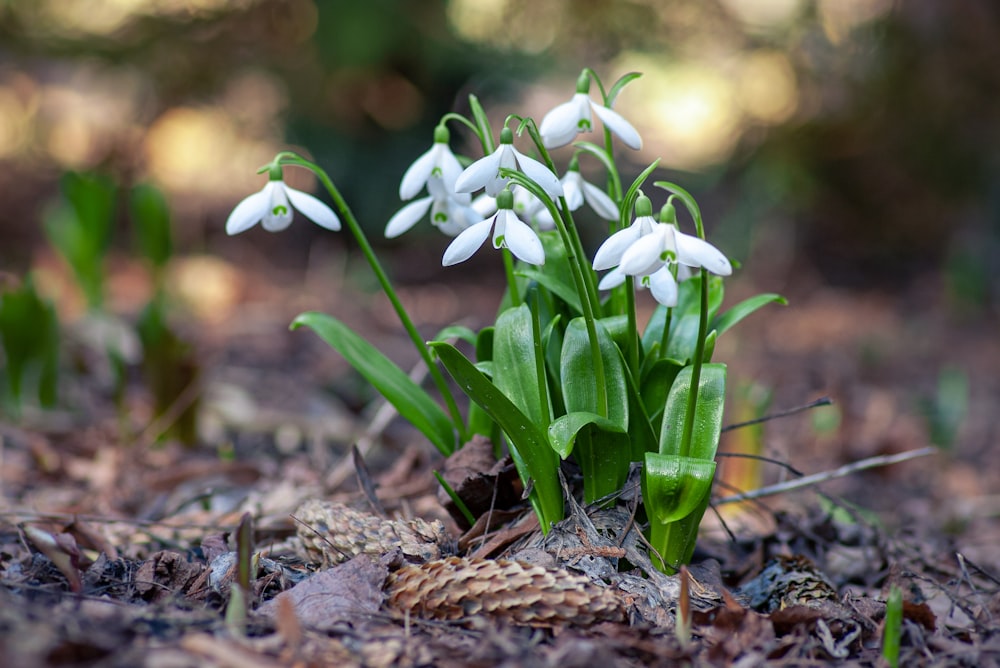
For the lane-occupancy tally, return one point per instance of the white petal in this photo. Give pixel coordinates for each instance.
(248, 212)
(407, 217)
(611, 251)
(314, 209)
(416, 175)
(476, 175)
(519, 238)
(619, 126)
(450, 167)
(279, 212)
(572, 191)
(485, 205)
(643, 257)
(599, 201)
(467, 243)
(451, 217)
(663, 287)
(539, 173)
(561, 125)
(696, 252)
(612, 279)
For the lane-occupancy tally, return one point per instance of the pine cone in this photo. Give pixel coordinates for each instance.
(332, 533)
(510, 591)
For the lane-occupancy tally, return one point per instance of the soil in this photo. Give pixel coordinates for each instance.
(114, 539)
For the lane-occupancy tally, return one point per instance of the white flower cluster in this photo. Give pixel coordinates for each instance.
(656, 253)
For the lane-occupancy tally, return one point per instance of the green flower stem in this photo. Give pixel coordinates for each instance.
(699, 353)
(540, 375)
(288, 157)
(508, 267)
(633, 327)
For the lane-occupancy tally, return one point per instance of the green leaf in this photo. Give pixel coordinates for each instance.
(674, 486)
(656, 383)
(514, 363)
(150, 216)
(412, 402)
(685, 319)
(628, 201)
(707, 415)
(457, 332)
(556, 277)
(725, 321)
(577, 373)
(598, 152)
(617, 86)
(563, 431)
(536, 460)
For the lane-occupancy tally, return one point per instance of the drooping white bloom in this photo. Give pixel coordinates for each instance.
(666, 244)
(577, 191)
(437, 169)
(563, 123)
(485, 172)
(272, 208)
(610, 253)
(508, 232)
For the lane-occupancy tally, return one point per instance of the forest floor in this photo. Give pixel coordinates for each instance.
(116, 545)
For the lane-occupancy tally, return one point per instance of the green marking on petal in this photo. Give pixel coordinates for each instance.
(499, 241)
(280, 210)
(438, 172)
(668, 256)
(440, 217)
(583, 125)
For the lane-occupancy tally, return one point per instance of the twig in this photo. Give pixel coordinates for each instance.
(822, 401)
(809, 480)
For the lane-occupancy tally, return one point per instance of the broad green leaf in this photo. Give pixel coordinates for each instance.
(641, 434)
(577, 373)
(563, 431)
(674, 486)
(537, 462)
(554, 283)
(675, 542)
(656, 383)
(628, 200)
(684, 320)
(602, 451)
(412, 402)
(725, 321)
(707, 415)
(514, 363)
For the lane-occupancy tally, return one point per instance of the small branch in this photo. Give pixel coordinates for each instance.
(816, 478)
(823, 401)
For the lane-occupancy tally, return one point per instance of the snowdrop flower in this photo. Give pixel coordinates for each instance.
(272, 208)
(508, 232)
(666, 244)
(611, 251)
(437, 169)
(485, 172)
(563, 123)
(576, 192)
(661, 283)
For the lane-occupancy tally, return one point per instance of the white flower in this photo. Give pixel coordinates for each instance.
(666, 244)
(437, 169)
(485, 172)
(508, 232)
(576, 192)
(563, 123)
(611, 251)
(661, 283)
(272, 209)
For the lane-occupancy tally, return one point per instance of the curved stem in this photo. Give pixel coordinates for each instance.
(383, 279)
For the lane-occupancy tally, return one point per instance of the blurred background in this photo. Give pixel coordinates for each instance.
(845, 152)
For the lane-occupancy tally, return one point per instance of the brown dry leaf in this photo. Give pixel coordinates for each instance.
(456, 588)
(482, 482)
(164, 574)
(339, 594)
(736, 633)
